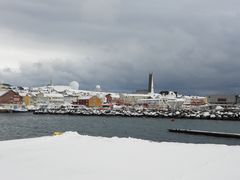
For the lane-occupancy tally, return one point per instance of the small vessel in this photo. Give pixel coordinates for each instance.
(19, 110)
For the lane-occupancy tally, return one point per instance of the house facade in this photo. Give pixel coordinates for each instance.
(222, 99)
(89, 101)
(55, 99)
(10, 100)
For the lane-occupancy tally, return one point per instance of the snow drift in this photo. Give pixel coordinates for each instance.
(72, 157)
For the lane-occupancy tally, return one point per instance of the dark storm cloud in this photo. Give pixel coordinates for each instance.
(191, 46)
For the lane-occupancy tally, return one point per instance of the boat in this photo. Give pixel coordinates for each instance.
(19, 110)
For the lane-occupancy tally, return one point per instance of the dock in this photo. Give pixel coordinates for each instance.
(206, 133)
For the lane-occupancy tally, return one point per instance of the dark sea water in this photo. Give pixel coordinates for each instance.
(18, 126)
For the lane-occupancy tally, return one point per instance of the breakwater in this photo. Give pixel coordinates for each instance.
(177, 114)
(206, 133)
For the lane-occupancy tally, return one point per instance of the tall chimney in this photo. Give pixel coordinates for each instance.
(150, 83)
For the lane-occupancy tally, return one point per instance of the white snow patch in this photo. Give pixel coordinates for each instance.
(72, 157)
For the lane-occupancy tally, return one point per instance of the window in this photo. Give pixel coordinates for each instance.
(222, 99)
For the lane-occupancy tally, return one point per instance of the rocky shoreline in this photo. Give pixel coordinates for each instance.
(153, 113)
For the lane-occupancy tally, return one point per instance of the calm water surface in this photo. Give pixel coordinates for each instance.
(18, 126)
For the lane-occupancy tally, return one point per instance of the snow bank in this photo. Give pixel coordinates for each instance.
(72, 157)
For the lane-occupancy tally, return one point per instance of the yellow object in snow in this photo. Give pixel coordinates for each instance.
(57, 133)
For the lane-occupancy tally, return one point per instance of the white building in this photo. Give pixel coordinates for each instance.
(55, 99)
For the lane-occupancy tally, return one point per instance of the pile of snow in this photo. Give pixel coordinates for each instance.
(219, 108)
(72, 157)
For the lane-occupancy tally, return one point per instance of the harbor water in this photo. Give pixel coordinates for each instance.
(28, 125)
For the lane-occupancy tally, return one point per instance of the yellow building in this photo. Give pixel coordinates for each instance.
(95, 102)
(26, 100)
(89, 101)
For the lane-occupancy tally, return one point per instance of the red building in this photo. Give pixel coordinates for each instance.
(10, 97)
(89, 101)
(108, 98)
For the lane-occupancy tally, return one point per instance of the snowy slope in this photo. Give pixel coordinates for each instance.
(73, 157)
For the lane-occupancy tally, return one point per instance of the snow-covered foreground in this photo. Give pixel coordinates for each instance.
(73, 157)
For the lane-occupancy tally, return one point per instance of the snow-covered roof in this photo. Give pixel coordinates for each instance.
(114, 95)
(53, 95)
(2, 92)
(194, 97)
(85, 97)
(33, 93)
(70, 95)
(136, 95)
(219, 108)
(23, 94)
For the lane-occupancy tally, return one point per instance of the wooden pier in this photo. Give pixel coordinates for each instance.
(206, 133)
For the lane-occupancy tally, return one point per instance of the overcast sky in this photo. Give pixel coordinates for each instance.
(191, 46)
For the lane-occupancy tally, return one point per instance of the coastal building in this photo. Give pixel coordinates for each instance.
(222, 99)
(195, 101)
(55, 99)
(25, 98)
(111, 99)
(150, 103)
(4, 86)
(29, 99)
(238, 99)
(10, 97)
(116, 99)
(89, 101)
(69, 99)
(108, 99)
(163, 100)
(10, 100)
(132, 99)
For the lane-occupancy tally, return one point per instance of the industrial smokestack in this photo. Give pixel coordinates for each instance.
(150, 84)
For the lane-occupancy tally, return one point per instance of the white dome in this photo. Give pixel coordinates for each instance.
(98, 87)
(74, 85)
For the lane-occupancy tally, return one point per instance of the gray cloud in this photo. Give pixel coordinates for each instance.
(191, 46)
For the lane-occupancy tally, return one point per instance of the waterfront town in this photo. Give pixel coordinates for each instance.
(55, 99)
